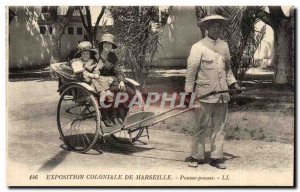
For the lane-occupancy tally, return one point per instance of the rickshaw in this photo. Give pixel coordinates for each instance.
(79, 115)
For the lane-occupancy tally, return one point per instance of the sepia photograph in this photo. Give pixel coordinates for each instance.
(150, 96)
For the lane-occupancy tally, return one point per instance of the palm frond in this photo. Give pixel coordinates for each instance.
(134, 30)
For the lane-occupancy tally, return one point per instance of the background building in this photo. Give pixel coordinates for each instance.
(30, 36)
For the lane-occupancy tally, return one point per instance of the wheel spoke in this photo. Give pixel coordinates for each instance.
(87, 138)
(91, 126)
(76, 135)
(68, 111)
(78, 118)
(80, 135)
(66, 122)
(71, 128)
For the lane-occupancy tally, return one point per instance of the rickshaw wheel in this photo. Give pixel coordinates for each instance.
(123, 137)
(78, 118)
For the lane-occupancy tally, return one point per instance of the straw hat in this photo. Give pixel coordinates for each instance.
(203, 22)
(107, 37)
(85, 46)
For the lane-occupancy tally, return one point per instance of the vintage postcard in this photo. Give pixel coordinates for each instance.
(155, 96)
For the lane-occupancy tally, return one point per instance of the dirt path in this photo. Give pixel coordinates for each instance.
(34, 148)
(165, 153)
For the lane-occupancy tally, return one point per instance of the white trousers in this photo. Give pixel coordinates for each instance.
(217, 112)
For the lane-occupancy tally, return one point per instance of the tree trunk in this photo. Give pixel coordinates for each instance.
(56, 42)
(283, 69)
(58, 29)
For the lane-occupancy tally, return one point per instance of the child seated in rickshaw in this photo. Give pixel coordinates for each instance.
(90, 70)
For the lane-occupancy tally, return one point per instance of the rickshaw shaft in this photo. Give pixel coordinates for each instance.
(149, 118)
(155, 116)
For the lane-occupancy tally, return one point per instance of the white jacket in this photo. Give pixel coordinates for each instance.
(208, 69)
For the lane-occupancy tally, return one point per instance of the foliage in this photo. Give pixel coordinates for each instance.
(11, 15)
(242, 52)
(59, 26)
(137, 29)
